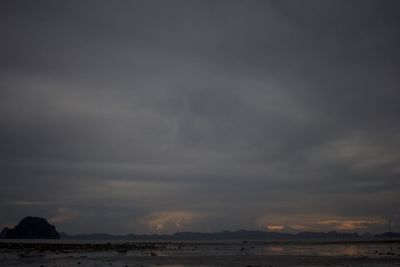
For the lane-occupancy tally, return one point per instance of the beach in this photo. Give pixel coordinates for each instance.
(213, 253)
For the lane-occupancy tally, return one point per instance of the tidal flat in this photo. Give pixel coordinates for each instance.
(213, 253)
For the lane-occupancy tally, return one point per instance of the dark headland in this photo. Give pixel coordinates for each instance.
(31, 228)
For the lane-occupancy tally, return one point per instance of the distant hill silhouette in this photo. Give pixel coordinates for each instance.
(39, 228)
(388, 235)
(224, 235)
(31, 228)
(3, 233)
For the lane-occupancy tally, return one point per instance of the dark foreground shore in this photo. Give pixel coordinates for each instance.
(167, 261)
(148, 254)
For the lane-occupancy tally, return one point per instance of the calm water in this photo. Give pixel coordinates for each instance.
(212, 248)
(200, 254)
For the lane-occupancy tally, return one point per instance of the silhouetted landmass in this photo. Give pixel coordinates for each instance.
(224, 235)
(39, 228)
(31, 228)
(332, 234)
(387, 235)
(94, 236)
(3, 233)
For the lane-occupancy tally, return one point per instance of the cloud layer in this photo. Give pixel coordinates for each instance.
(142, 116)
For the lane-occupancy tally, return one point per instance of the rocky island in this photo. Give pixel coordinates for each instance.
(31, 228)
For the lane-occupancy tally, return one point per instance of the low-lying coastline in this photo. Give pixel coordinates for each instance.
(244, 253)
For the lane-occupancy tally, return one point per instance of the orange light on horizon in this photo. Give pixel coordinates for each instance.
(349, 224)
(297, 226)
(275, 227)
(318, 223)
(169, 220)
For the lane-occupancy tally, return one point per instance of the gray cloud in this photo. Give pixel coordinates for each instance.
(214, 115)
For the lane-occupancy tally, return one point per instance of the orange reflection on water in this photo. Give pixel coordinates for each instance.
(349, 251)
(276, 249)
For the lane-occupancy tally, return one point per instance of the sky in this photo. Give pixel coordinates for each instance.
(167, 116)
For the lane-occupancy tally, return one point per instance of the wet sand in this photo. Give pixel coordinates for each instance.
(274, 260)
(169, 254)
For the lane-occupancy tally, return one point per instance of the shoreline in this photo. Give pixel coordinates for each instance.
(232, 260)
(168, 254)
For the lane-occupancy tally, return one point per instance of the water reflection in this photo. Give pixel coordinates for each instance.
(348, 250)
(276, 250)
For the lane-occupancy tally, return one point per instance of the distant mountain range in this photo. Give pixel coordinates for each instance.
(388, 235)
(229, 235)
(39, 228)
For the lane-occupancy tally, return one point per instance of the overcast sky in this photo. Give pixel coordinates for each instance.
(165, 116)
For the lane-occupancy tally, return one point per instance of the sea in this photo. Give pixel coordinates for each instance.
(222, 247)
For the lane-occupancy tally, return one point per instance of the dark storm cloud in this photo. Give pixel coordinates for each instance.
(209, 115)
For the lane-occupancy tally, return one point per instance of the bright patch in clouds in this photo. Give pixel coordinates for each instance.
(344, 225)
(170, 221)
(275, 227)
(63, 215)
(319, 223)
